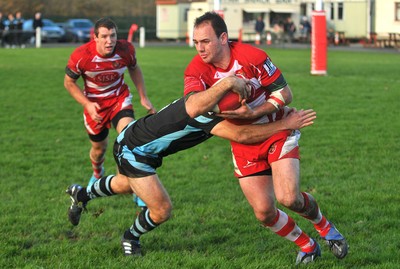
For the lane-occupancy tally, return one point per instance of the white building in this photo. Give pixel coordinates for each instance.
(355, 18)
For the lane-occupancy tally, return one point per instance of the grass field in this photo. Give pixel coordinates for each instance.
(350, 163)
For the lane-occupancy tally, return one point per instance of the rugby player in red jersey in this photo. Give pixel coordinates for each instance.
(106, 97)
(267, 171)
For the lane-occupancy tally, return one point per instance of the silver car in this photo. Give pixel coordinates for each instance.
(51, 32)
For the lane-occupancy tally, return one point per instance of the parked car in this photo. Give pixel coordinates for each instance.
(51, 32)
(78, 30)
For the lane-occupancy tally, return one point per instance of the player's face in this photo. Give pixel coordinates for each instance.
(105, 41)
(207, 44)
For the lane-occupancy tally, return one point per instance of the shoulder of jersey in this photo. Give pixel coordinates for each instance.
(123, 42)
(197, 65)
(124, 45)
(85, 49)
(252, 54)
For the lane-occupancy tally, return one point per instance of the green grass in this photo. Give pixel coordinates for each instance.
(350, 163)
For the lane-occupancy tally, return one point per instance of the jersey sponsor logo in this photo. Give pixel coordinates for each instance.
(269, 67)
(106, 77)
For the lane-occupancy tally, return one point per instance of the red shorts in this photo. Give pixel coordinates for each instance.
(255, 158)
(108, 109)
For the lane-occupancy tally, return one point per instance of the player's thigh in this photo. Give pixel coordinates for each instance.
(258, 191)
(122, 123)
(286, 179)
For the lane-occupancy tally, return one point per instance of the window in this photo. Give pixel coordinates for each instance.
(397, 11)
(340, 11)
(332, 11)
(185, 15)
(303, 9)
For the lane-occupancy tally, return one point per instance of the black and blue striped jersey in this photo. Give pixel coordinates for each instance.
(149, 139)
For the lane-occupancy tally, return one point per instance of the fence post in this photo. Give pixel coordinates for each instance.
(38, 38)
(142, 37)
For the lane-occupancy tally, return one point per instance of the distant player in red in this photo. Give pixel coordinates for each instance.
(268, 170)
(106, 97)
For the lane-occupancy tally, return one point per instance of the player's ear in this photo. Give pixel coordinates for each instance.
(224, 38)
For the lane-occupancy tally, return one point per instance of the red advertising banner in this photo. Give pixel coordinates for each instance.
(319, 43)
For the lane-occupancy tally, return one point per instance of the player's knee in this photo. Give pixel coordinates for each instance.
(162, 213)
(291, 201)
(265, 214)
(98, 151)
(266, 217)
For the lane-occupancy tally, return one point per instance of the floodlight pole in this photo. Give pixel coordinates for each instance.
(319, 43)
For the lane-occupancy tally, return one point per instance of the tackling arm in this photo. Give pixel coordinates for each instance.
(250, 134)
(276, 101)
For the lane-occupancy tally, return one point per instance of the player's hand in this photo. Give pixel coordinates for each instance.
(244, 112)
(299, 119)
(242, 87)
(148, 106)
(92, 109)
(151, 111)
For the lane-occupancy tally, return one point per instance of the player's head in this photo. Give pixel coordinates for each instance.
(105, 36)
(106, 23)
(210, 38)
(215, 20)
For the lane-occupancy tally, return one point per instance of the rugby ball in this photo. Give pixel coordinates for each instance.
(230, 101)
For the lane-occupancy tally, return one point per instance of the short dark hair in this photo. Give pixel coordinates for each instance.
(217, 22)
(106, 23)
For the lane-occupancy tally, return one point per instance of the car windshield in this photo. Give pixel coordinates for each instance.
(82, 24)
(49, 23)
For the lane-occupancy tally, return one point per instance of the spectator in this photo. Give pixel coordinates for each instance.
(289, 29)
(9, 31)
(277, 28)
(305, 29)
(19, 22)
(330, 32)
(37, 23)
(2, 27)
(259, 27)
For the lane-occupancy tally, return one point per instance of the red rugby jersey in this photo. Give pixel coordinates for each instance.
(246, 61)
(103, 76)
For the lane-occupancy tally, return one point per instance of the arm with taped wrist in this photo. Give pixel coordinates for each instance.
(276, 99)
